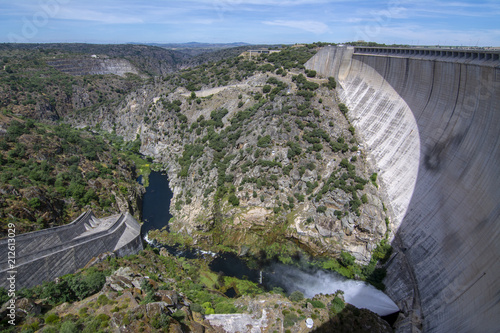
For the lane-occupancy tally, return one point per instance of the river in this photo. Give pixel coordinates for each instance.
(156, 215)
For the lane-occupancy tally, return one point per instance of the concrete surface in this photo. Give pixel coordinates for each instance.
(430, 122)
(46, 254)
(93, 66)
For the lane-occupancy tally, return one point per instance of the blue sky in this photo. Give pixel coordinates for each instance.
(445, 22)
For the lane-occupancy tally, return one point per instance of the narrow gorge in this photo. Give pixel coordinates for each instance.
(378, 163)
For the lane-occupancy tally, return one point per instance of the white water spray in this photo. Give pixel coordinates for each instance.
(357, 293)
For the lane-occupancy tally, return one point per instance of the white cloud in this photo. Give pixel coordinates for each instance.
(67, 13)
(310, 26)
(266, 2)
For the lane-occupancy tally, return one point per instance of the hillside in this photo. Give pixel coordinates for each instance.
(51, 174)
(261, 158)
(151, 60)
(155, 292)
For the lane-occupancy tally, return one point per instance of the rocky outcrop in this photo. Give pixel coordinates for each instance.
(313, 198)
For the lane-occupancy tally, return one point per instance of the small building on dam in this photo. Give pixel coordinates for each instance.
(47, 254)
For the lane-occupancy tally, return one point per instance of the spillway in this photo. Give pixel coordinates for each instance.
(46, 254)
(429, 121)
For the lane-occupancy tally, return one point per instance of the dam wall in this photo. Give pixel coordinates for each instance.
(429, 122)
(93, 66)
(47, 254)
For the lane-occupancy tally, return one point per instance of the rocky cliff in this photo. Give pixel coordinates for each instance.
(256, 167)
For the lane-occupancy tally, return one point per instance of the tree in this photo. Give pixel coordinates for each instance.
(264, 142)
(233, 199)
(311, 73)
(343, 108)
(321, 209)
(332, 84)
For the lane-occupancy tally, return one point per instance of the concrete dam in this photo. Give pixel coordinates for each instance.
(429, 122)
(47, 254)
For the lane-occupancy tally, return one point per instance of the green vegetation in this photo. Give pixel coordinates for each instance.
(337, 305)
(343, 108)
(238, 156)
(52, 171)
(30, 81)
(264, 142)
(332, 84)
(346, 266)
(296, 296)
(70, 288)
(373, 179)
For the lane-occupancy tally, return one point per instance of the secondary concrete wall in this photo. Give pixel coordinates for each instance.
(47, 254)
(91, 66)
(430, 122)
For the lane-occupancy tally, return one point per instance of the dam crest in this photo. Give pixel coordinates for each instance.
(429, 123)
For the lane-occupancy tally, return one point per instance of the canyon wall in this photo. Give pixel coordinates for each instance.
(429, 121)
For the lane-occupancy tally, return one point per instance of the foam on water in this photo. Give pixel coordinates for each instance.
(357, 293)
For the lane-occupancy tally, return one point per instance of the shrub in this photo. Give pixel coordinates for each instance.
(311, 73)
(296, 296)
(225, 308)
(51, 318)
(332, 84)
(343, 108)
(373, 179)
(264, 142)
(179, 315)
(337, 305)
(364, 198)
(34, 203)
(4, 296)
(208, 308)
(233, 199)
(317, 304)
(321, 209)
(195, 307)
(290, 319)
(162, 320)
(346, 258)
(294, 149)
(68, 327)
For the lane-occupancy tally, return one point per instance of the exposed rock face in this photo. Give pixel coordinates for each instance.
(308, 197)
(430, 123)
(276, 313)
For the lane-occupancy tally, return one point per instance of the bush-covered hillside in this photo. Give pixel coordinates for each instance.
(49, 174)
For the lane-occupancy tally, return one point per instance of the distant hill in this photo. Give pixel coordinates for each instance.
(197, 45)
(152, 60)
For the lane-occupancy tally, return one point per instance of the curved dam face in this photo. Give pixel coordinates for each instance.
(429, 121)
